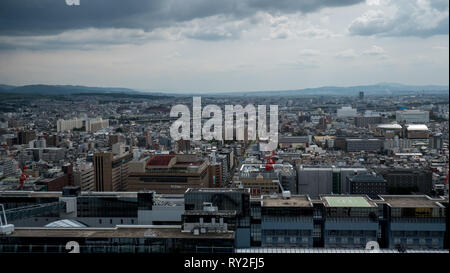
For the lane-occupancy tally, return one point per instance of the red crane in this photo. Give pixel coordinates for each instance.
(22, 178)
(270, 161)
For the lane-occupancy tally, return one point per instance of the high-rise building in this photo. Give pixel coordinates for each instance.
(84, 176)
(215, 175)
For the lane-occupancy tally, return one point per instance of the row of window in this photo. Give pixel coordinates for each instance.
(355, 233)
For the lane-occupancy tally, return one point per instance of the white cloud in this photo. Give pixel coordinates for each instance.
(347, 54)
(374, 51)
(309, 52)
(423, 18)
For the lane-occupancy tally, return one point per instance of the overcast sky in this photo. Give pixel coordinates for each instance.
(221, 45)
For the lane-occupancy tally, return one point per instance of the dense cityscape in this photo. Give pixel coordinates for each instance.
(101, 169)
(228, 135)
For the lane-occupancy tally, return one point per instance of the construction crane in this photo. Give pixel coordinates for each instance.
(23, 178)
(270, 160)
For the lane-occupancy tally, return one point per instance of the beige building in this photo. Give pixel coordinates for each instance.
(111, 171)
(84, 176)
(168, 174)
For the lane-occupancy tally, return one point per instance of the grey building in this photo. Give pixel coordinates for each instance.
(319, 181)
(407, 181)
(366, 184)
(363, 144)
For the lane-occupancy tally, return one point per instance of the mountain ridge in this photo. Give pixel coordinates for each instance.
(374, 89)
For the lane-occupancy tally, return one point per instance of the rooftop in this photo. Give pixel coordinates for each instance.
(412, 201)
(365, 177)
(417, 127)
(389, 126)
(293, 201)
(160, 160)
(117, 232)
(347, 201)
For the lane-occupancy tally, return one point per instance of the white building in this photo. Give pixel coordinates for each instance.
(8, 167)
(68, 125)
(346, 112)
(413, 116)
(92, 125)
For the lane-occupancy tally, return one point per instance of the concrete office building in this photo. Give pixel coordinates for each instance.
(262, 181)
(363, 144)
(319, 181)
(287, 222)
(8, 167)
(417, 131)
(365, 121)
(346, 112)
(169, 174)
(412, 116)
(215, 175)
(93, 125)
(84, 176)
(389, 130)
(415, 222)
(111, 171)
(436, 141)
(68, 125)
(366, 184)
(349, 221)
(407, 181)
(237, 200)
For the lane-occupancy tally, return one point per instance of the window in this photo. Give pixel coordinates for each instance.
(293, 240)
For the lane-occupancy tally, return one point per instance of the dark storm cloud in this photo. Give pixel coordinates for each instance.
(44, 17)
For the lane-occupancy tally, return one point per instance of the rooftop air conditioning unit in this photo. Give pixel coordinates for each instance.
(286, 194)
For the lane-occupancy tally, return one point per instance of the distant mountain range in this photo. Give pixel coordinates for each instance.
(42, 89)
(381, 89)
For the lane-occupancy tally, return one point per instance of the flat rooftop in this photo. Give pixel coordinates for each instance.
(293, 201)
(216, 190)
(117, 232)
(30, 194)
(412, 201)
(347, 201)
